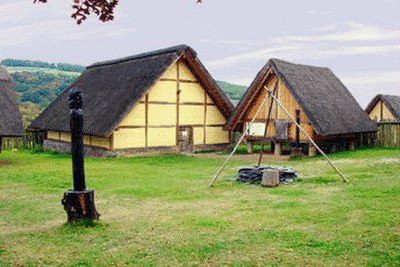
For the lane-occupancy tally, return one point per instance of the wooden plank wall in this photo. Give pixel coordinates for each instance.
(388, 134)
(31, 140)
(288, 101)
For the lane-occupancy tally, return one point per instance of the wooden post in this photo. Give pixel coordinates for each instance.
(205, 119)
(278, 149)
(79, 202)
(266, 126)
(178, 96)
(272, 147)
(352, 145)
(77, 149)
(298, 128)
(312, 150)
(249, 146)
(146, 120)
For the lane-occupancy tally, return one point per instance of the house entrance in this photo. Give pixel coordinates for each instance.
(185, 139)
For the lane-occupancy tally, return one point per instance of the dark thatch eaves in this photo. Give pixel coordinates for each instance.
(327, 103)
(10, 117)
(391, 101)
(112, 88)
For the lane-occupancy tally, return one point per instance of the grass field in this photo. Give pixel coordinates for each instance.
(159, 211)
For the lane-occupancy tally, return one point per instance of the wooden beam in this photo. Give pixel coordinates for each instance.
(146, 121)
(266, 125)
(277, 96)
(174, 103)
(178, 93)
(181, 80)
(205, 118)
(298, 121)
(168, 126)
(111, 140)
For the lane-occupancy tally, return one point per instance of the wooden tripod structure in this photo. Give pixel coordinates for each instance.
(274, 98)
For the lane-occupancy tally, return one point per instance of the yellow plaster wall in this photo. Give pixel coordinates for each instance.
(136, 117)
(375, 113)
(164, 91)
(191, 92)
(387, 114)
(129, 138)
(185, 73)
(198, 135)
(162, 137)
(171, 72)
(86, 139)
(209, 100)
(103, 142)
(214, 116)
(191, 115)
(162, 115)
(100, 142)
(65, 137)
(217, 135)
(165, 114)
(53, 135)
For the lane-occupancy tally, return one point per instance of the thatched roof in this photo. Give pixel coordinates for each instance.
(327, 103)
(391, 101)
(111, 89)
(10, 117)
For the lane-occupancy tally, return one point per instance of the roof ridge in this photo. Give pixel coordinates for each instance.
(384, 95)
(277, 60)
(173, 49)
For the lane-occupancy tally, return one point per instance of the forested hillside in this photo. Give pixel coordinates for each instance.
(66, 67)
(233, 91)
(39, 83)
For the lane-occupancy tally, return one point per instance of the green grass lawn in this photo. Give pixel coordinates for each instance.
(159, 211)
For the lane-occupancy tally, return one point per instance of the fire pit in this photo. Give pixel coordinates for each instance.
(254, 175)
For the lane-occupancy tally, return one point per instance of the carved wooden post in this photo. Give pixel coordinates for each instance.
(298, 120)
(79, 202)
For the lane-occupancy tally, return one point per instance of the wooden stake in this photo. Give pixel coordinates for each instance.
(309, 137)
(266, 126)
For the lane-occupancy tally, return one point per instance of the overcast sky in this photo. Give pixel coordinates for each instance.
(358, 39)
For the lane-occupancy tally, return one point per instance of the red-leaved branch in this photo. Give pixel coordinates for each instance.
(104, 9)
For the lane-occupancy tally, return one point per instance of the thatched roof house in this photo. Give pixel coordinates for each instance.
(161, 99)
(10, 116)
(384, 108)
(325, 107)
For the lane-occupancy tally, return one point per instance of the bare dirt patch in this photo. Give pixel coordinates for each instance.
(4, 162)
(247, 157)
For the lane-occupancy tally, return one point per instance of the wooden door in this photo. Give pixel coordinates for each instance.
(185, 139)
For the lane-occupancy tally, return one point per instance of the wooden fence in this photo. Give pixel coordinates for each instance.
(388, 134)
(31, 140)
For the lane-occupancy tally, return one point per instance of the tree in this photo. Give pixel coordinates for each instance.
(104, 9)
